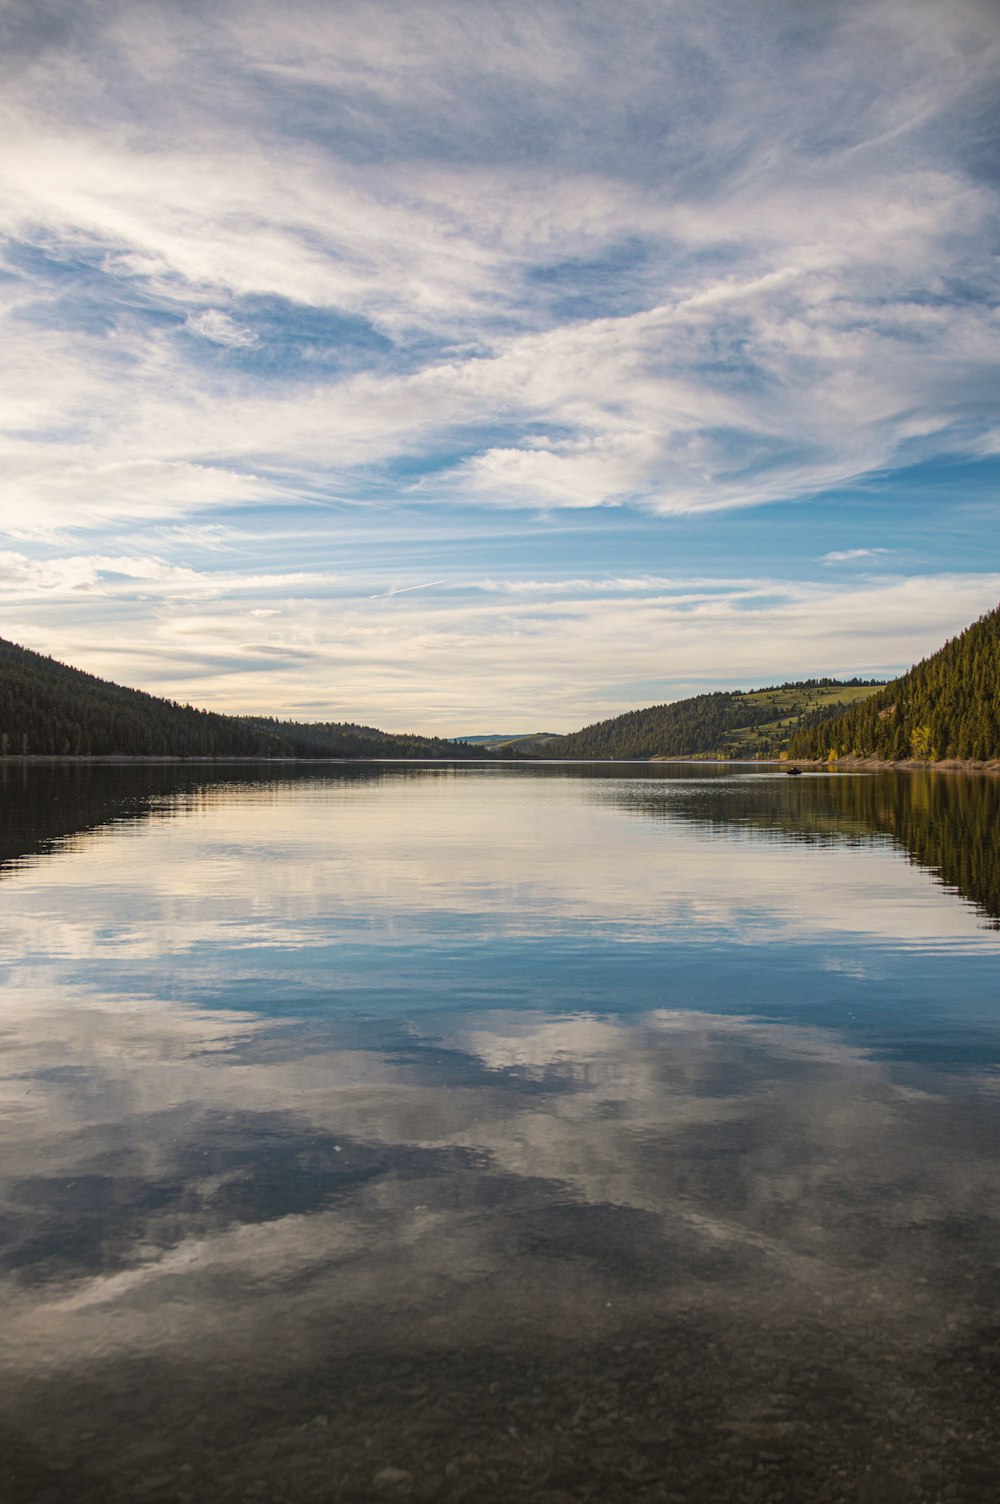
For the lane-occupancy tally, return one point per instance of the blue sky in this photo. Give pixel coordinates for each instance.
(467, 367)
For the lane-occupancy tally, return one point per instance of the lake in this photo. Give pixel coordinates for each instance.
(498, 1132)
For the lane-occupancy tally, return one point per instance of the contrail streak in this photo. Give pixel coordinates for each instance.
(384, 594)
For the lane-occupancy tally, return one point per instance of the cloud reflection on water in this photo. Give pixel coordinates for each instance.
(593, 1247)
(200, 1191)
(480, 856)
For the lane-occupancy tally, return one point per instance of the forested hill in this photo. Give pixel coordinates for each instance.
(50, 709)
(947, 706)
(345, 739)
(728, 723)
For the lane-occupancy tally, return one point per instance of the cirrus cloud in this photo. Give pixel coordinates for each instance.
(679, 263)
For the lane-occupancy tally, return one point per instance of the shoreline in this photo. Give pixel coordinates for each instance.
(150, 760)
(840, 765)
(905, 765)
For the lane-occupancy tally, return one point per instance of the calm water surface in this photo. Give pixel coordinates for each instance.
(498, 1133)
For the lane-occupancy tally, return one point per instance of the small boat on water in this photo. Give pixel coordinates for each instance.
(794, 772)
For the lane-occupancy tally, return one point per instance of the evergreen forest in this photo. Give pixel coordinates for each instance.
(947, 706)
(49, 709)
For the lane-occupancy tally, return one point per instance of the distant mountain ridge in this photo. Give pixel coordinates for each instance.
(50, 709)
(946, 706)
(529, 742)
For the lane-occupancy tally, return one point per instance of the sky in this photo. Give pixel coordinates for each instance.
(496, 367)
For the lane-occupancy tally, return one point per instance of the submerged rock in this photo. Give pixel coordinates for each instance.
(393, 1483)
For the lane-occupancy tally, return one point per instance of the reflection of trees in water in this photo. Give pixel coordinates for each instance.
(952, 825)
(43, 806)
(947, 823)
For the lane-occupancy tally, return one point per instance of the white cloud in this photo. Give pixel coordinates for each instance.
(218, 327)
(451, 657)
(849, 555)
(683, 259)
(794, 325)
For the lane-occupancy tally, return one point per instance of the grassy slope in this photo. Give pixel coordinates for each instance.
(749, 741)
(726, 724)
(532, 743)
(497, 741)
